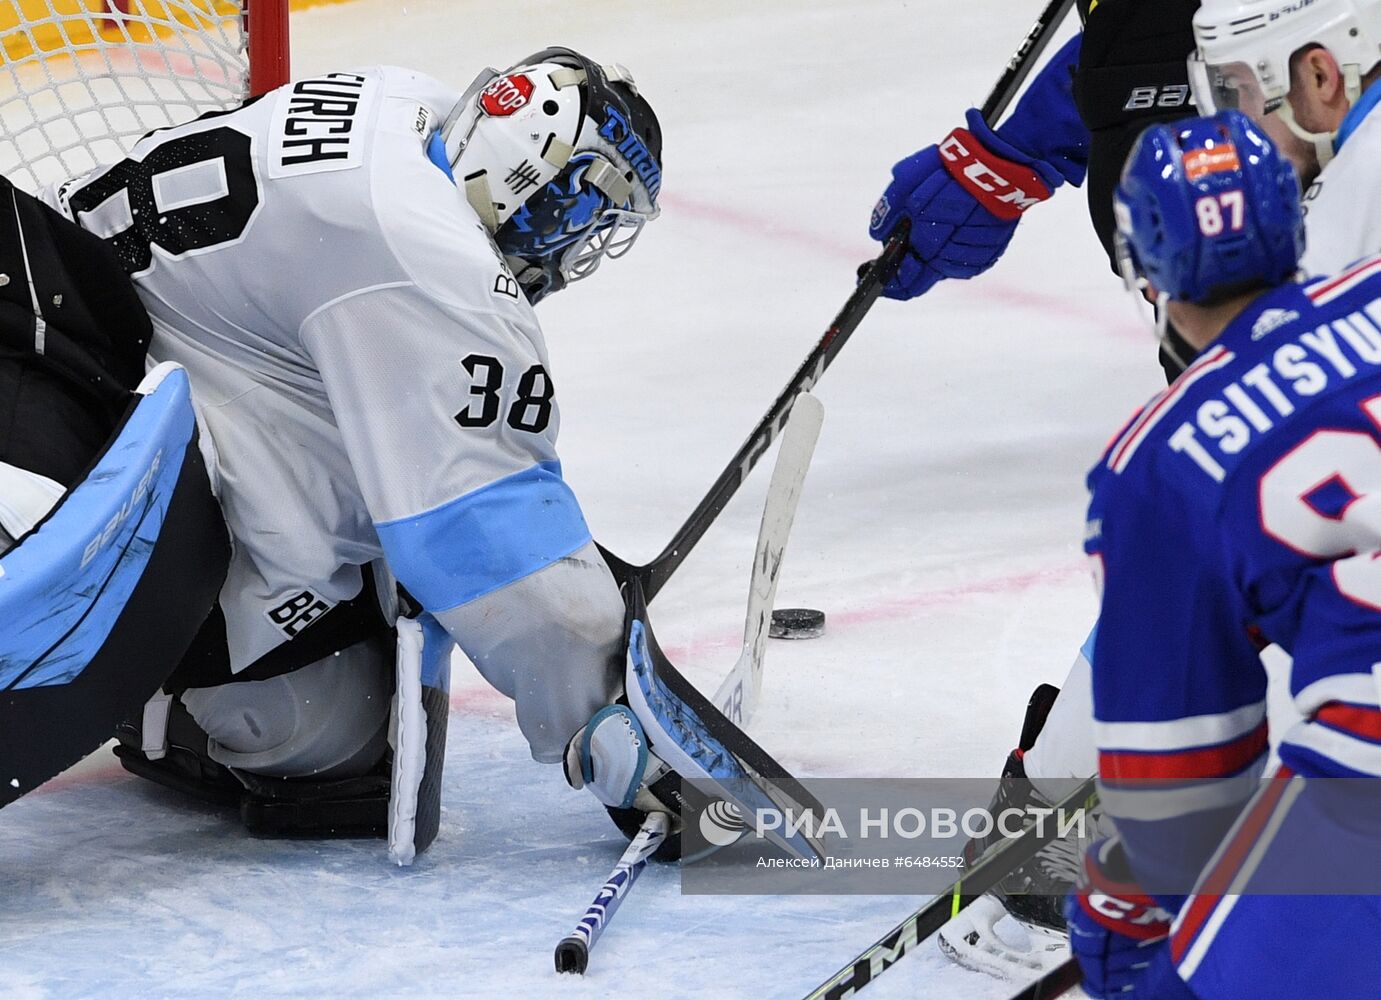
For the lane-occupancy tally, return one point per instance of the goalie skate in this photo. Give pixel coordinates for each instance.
(986, 938)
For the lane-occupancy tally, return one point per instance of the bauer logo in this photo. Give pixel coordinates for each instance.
(297, 612)
(506, 95)
(721, 824)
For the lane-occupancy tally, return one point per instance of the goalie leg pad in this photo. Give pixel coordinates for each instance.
(421, 709)
(102, 598)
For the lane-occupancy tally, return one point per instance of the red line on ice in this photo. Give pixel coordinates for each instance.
(856, 251)
(897, 608)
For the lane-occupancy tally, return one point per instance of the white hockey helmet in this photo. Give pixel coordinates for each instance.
(1244, 49)
(561, 160)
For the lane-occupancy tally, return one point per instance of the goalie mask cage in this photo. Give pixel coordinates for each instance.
(84, 79)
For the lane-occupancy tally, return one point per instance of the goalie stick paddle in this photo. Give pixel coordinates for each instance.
(872, 277)
(739, 690)
(1056, 982)
(995, 865)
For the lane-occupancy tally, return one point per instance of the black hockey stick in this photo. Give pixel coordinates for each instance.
(737, 693)
(1024, 59)
(1054, 983)
(654, 574)
(996, 864)
(874, 275)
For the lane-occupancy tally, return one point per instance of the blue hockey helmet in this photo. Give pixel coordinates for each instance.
(1207, 207)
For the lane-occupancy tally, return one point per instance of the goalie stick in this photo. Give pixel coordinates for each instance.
(872, 277)
(737, 695)
(995, 865)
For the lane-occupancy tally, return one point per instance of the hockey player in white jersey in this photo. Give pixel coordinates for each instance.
(1310, 76)
(347, 268)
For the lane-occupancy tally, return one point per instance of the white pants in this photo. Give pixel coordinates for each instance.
(327, 720)
(1065, 748)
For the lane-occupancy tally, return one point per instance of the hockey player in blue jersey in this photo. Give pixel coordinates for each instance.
(1309, 73)
(1237, 508)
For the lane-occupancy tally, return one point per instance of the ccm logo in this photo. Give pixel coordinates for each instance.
(113, 525)
(1006, 189)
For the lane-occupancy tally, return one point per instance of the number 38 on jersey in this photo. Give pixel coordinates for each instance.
(531, 407)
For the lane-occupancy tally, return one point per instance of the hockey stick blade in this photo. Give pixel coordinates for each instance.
(779, 510)
(701, 744)
(738, 694)
(573, 953)
(995, 865)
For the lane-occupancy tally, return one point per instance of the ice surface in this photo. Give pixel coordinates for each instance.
(939, 531)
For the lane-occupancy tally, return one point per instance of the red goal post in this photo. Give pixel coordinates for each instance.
(82, 80)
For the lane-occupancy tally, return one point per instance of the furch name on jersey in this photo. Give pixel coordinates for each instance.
(1299, 368)
(320, 119)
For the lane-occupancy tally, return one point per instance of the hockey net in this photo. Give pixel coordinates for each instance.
(82, 80)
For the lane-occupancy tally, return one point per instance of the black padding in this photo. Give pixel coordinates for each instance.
(207, 663)
(66, 371)
(81, 288)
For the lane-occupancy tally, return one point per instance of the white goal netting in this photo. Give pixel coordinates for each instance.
(84, 79)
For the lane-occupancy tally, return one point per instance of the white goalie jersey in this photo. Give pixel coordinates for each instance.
(371, 375)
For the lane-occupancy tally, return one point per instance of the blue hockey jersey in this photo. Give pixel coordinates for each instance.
(1241, 506)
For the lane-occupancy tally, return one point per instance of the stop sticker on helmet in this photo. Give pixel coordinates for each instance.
(506, 95)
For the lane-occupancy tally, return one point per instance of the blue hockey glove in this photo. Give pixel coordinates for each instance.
(965, 195)
(1115, 929)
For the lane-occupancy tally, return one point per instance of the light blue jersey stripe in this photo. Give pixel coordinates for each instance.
(487, 539)
(1087, 647)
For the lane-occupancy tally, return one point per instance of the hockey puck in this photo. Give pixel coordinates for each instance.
(796, 623)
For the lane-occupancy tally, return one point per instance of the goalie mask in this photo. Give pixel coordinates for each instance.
(561, 160)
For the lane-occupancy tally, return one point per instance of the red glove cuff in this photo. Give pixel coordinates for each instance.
(1004, 188)
(1121, 906)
